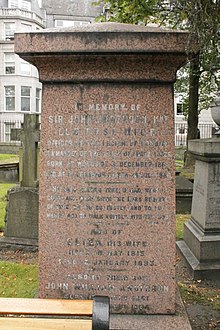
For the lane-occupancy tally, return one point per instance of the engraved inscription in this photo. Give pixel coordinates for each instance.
(109, 183)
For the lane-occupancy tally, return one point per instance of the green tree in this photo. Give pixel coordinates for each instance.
(202, 19)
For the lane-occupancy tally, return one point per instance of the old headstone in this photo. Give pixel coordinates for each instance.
(107, 171)
(21, 219)
(201, 245)
(184, 193)
(9, 172)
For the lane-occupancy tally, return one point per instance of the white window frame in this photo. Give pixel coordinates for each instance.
(26, 97)
(21, 4)
(7, 129)
(66, 23)
(11, 35)
(38, 100)
(9, 64)
(9, 97)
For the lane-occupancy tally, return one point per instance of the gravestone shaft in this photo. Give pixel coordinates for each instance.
(29, 135)
(107, 173)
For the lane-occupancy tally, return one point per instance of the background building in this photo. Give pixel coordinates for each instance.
(70, 12)
(20, 89)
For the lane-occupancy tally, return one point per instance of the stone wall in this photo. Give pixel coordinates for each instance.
(8, 148)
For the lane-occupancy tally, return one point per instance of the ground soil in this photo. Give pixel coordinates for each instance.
(201, 316)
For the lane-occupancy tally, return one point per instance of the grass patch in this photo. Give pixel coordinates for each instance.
(18, 280)
(3, 191)
(179, 165)
(179, 153)
(8, 158)
(179, 162)
(180, 220)
(196, 294)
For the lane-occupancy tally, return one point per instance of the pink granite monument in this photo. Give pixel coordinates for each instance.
(107, 173)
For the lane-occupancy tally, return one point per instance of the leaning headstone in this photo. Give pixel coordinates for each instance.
(21, 219)
(107, 171)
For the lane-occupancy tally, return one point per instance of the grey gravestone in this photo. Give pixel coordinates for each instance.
(29, 135)
(21, 220)
(22, 213)
(184, 193)
(201, 245)
(9, 172)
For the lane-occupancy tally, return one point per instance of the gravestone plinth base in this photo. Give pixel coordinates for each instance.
(201, 250)
(14, 243)
(179, 320)
(21, 221)
(199, 270)
(201, 246)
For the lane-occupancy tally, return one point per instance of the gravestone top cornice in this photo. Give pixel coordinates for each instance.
(99, 38)
(110, 27)
(206, 148)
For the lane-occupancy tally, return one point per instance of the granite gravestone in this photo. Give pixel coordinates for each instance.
(107, 171)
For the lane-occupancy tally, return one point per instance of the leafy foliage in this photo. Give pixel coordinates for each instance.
(200, 17)
(128, 11)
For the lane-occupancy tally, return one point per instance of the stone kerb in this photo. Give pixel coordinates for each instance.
(107, 171)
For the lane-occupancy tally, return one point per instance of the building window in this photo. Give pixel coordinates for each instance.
(9, 31)
(25, 98)
(8, 127)
(10, 98)
(26, 27)
(38, 91)
(25, 68)
(66, 23)
(179, 109)
(22, 4)
(9, 63)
